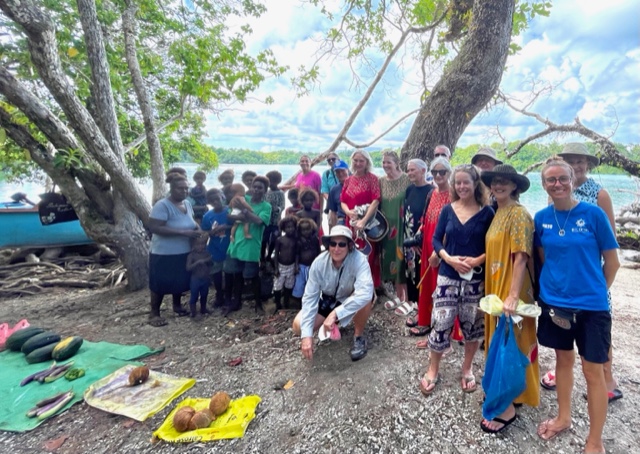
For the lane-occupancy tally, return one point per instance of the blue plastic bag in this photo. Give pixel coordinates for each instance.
(504, 373)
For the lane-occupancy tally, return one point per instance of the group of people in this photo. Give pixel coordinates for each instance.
(449, 243)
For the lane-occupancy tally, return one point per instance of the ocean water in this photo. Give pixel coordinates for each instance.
(619, 186)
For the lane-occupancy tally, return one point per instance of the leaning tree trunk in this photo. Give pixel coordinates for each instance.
(467, 85)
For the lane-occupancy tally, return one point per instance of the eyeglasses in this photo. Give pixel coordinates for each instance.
(340, 244)
(331, 159)
(439, 172)
(440, 155)
(564, 179)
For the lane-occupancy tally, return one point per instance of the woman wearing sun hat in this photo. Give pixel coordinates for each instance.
(509, 245)
(586, 189)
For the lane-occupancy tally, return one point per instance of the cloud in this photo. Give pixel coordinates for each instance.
(586, 51)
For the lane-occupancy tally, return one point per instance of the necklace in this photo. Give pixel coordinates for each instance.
(561, 232)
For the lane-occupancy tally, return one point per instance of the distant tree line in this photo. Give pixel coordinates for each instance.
(528, 156)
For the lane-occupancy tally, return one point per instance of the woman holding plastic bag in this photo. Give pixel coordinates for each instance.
(571, 238)
(509, 244)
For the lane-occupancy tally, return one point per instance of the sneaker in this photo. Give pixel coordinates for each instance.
(359, 349)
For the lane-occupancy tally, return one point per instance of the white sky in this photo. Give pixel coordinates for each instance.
(589, 51)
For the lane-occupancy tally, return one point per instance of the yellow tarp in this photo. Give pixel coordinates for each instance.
(136, 402)
(493, 305)
(231, 424)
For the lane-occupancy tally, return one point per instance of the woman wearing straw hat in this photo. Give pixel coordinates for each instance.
(509, 244)
(586, 189)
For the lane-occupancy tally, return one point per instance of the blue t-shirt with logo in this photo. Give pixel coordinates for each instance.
(572, 274)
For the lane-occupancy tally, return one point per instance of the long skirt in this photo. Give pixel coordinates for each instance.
(168, 274)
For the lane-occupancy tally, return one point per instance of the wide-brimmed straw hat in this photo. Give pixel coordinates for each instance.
(579, 149)
(508, 172)
(337, 230)
(487, 153)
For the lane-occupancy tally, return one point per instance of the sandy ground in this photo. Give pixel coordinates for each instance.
(335, 405)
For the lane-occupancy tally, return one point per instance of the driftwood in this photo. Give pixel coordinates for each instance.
(72, 272)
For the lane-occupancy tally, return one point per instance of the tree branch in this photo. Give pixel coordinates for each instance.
(387, 131)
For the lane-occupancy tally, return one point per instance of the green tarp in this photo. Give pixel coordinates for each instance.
(97, 359)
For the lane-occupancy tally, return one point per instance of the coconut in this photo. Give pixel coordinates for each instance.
(219, 403)
(138, 375)
(200, 420)
(182, 418)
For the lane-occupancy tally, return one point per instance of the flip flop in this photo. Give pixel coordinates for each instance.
(505, 423)
(157, 321)
(411, 321)
(470, 384)
(426, 382)
(548, 380)
(405, 309)
(420, 331)
(543, 429)
(392, 303)
(612, 395)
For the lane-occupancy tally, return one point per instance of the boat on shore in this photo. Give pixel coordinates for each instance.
(20, 226)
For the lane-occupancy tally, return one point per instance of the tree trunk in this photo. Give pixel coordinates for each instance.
(467, 85)
(153, 142)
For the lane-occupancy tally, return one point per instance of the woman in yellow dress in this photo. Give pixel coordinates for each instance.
(509, 245)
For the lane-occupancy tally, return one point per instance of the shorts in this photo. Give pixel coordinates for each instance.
(249, 270)
(301, 281)
(286, 277)
(591, 333)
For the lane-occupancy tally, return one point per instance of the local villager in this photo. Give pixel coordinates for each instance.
(294, 200)
(198, 195)
(243, 260)
(464, 224)
(275, 197)
(509, 244)
(578, 250)
(309, 199)
(339, 289)
(173, 227)
(199, 264)
(336, 215)
(215, 223)
(307, 249)
(284, 260)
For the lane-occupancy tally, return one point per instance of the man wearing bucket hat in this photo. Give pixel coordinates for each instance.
(339, 289)
(336, 215)
(486, 159)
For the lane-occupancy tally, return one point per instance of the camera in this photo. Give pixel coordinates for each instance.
(327, 303)
(415, 241)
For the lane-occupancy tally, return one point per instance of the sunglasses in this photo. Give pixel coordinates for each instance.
(439, 172)
(331, 159)
(440, 155)
(340, 244)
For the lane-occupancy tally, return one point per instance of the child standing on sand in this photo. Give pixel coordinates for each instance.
(284, 261)
(275, 196)
(199, 264)
(307, 249)
(215, 222)
(198, 195)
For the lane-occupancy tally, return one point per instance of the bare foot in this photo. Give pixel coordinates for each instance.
(551, 428)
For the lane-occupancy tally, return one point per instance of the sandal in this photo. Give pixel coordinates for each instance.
(392, 303)
(405, 309)
(411, 321)
(544, 429)
(425, 384)
(469, 384)
(611, 395)
(548, 380)
(505, 423)
(420, 331)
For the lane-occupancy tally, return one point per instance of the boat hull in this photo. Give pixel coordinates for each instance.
(21, 227)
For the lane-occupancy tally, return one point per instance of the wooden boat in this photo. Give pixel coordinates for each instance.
(20, 226)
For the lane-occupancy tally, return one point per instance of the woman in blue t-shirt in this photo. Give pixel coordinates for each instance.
(572, 238)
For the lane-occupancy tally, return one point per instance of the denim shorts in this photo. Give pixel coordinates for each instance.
(249, 270)
(591, 333)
